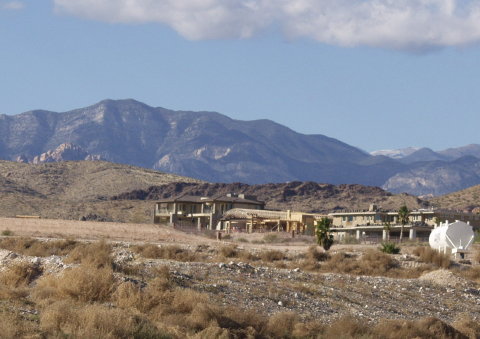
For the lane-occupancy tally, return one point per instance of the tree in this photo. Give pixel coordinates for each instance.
(404, 218)
(324, 237)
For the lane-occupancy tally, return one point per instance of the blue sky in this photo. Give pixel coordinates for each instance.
(370, 73)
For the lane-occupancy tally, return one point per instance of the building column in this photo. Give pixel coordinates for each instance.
(199, 223)
(210, 223)
(358, 234)
(412, 234)
(384, 235)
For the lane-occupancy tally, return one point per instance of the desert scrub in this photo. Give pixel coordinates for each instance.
(64, 319)
(272, 255)
(37, 248)
(229, 251)
(97, 254)
(7, 233)
(84, 283)
(170, 252)
(13, 325)
(371, 263)
(389, 248)
(430, 256)
(312, 258)
(20, 274)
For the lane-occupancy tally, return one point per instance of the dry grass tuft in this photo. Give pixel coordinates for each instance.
(281, 325)
(373, 263)
(471, 273)
(20, 274)
(467, 325)
(477, 256)
(312, 258)
(97, 254)
(272, 255)
(83, 283)
(166, 252)
(348, 327)
(229, 251)
(430, 256)
(14, 326)
(64, 319)
(37, 248)
(424, 328)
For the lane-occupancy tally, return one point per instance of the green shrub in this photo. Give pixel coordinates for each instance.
(7, 233)
(390, 248)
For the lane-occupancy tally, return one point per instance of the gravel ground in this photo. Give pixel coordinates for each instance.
(323, 296)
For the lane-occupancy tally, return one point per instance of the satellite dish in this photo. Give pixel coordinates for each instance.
(457, 236)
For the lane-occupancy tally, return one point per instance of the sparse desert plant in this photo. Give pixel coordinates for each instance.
(423, 328)
(282, 325)
(372, 263)
(229, 251)
(64, 319)
(14, 326)
(20, 274)
(314, 254)
(313, 257)
(97, 254)
(272, 255)
(348, 327)
(170, 252)
(322, 232)
(430, 256)
(38, 248)
(241, 240)
(84, 283)
(7, 233)
(467, 325)
(389, 248)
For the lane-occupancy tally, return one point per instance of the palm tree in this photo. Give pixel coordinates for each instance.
(324, 238)
(403, 216)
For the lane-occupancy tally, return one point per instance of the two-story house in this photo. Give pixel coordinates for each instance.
(201, 212)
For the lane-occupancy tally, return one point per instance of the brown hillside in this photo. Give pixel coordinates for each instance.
(70, 190)
(299, 196)
(113, 192)
(467, 199)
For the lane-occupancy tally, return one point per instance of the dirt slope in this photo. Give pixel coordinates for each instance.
(298, 196)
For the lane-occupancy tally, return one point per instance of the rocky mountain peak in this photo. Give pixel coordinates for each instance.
(65, 152)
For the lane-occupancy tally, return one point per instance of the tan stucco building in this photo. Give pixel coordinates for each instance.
(201, 212)
(372, 223)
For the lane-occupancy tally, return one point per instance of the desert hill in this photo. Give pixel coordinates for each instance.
(467, 199)
(298, 196)
(101, 190)
(70, 190)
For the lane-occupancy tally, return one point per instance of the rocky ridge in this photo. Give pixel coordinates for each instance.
(212, 147)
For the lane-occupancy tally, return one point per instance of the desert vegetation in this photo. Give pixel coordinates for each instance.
(108, 290)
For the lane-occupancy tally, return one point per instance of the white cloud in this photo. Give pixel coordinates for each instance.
(397, 24)
(12, 5)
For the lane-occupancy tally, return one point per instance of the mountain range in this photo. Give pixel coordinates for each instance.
(215, 148)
